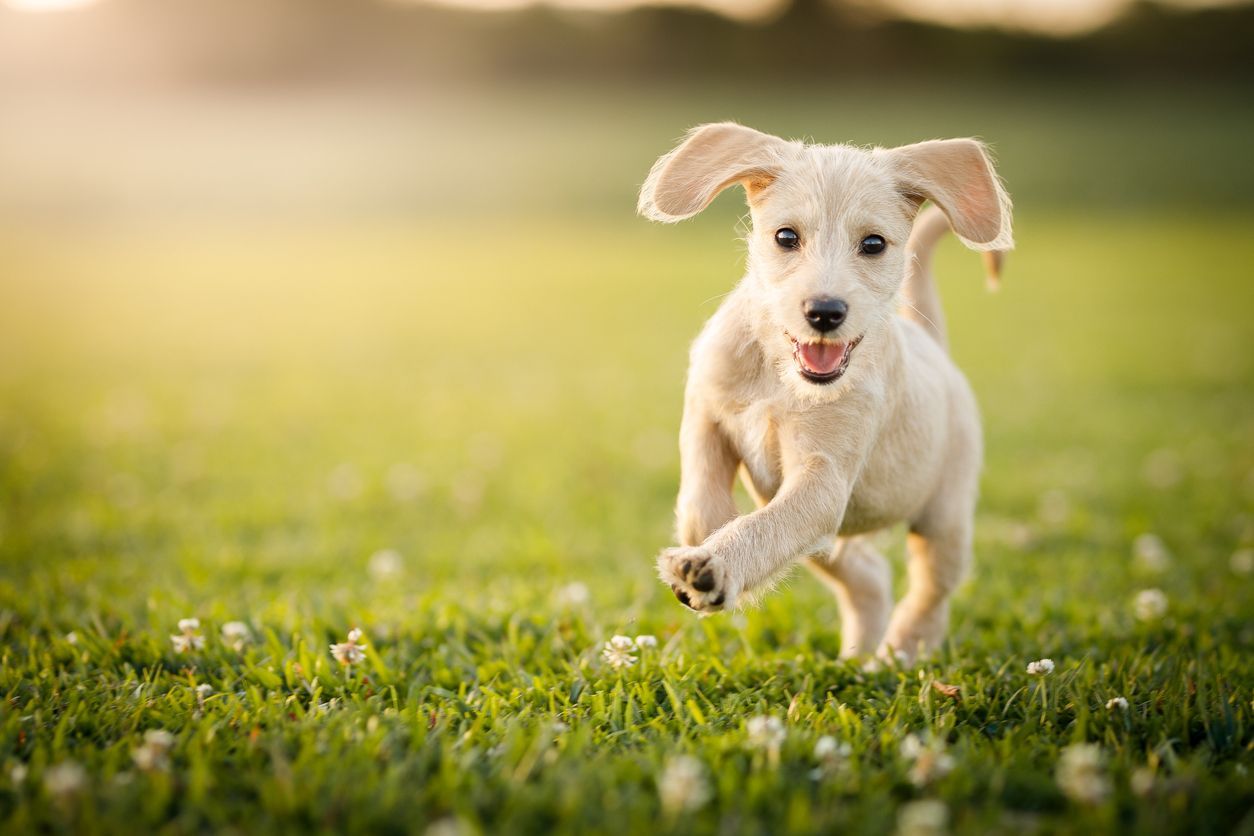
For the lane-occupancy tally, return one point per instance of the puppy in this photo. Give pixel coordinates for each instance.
(825, 381)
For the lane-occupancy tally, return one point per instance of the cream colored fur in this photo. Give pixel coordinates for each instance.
(895, 439)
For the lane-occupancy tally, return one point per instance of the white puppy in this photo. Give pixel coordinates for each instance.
(824, 377)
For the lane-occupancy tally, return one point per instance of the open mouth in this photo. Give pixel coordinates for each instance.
(822, 362)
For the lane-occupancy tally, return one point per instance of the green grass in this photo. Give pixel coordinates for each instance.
(226, 425)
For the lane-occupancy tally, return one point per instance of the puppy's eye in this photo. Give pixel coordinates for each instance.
(787, 238)
(872, 245)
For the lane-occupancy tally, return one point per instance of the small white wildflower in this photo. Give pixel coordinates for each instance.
(385, 564)
(1151, 553)
(17, 774)
(447, 826)
(559, 727)
(1041, 667)
(683, 785)
(153, 754)
(1142, 782)
(645, 640)
(1120, 703)
(159, 738)
(188, 638)
(911, 746)
(924, 817)
(65, 779)
(828, 748)
(350, 652)
(931, 761)
(574, 594)
(71, 637)
(235, 634)
(1242, 562)
(203, 690)
(618, 652)
(765, 732)
(1081, 773)
(1150, 604)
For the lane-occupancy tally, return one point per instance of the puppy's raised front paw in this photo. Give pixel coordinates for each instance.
(699, 579)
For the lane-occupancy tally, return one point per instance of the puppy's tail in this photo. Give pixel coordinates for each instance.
(922, 302)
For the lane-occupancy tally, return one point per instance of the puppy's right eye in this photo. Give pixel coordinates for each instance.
(787, 238)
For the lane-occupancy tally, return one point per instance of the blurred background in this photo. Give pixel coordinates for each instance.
(288, 282)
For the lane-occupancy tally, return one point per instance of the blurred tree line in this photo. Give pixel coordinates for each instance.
(255, 41)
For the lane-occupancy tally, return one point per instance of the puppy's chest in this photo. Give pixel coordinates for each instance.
(753, 429)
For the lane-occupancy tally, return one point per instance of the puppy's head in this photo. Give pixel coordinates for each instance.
(827, 247)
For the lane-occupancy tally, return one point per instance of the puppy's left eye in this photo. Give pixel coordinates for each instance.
(787, 238)
(872, 245)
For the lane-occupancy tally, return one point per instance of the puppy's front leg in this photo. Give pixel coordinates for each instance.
(708, 465)
(751, 549)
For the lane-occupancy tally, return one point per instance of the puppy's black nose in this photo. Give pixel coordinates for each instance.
(825, 314)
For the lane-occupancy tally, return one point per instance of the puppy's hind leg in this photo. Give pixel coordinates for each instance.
(863, 583)
(940, 554)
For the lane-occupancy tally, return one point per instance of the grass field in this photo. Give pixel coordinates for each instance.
(230, 422)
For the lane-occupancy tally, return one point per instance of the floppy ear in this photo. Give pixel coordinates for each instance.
(711, 158)
(958, 176)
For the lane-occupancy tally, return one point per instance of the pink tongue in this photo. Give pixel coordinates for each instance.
(822, 358)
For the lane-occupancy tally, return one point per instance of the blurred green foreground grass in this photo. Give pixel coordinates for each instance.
(228, 423)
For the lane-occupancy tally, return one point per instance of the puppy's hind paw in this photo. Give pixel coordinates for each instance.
(699, 580)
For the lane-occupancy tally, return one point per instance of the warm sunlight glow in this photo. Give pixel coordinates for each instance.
(737, 9)
(45, 5)
(1055, 17)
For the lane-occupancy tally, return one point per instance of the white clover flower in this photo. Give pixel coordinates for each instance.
(1151, 553)
(645, 640)
(17, 774)
(1142, 782)
(1120, 703)
(618, 652)
(683, 785)
(1242, 562)
(1041, 667)
(350, 652)
(828, 748)
(385, 564)
(65, 779)
(1150, 604)
(924, 817)
(447, 826)
(71, 637)
(930, 760)
(766, 732)
(160, 738)
(188, 638)
(574, 594)
(1081, 773)
(203, 690)
(235, 634)
(154, 754)
(911, 746)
